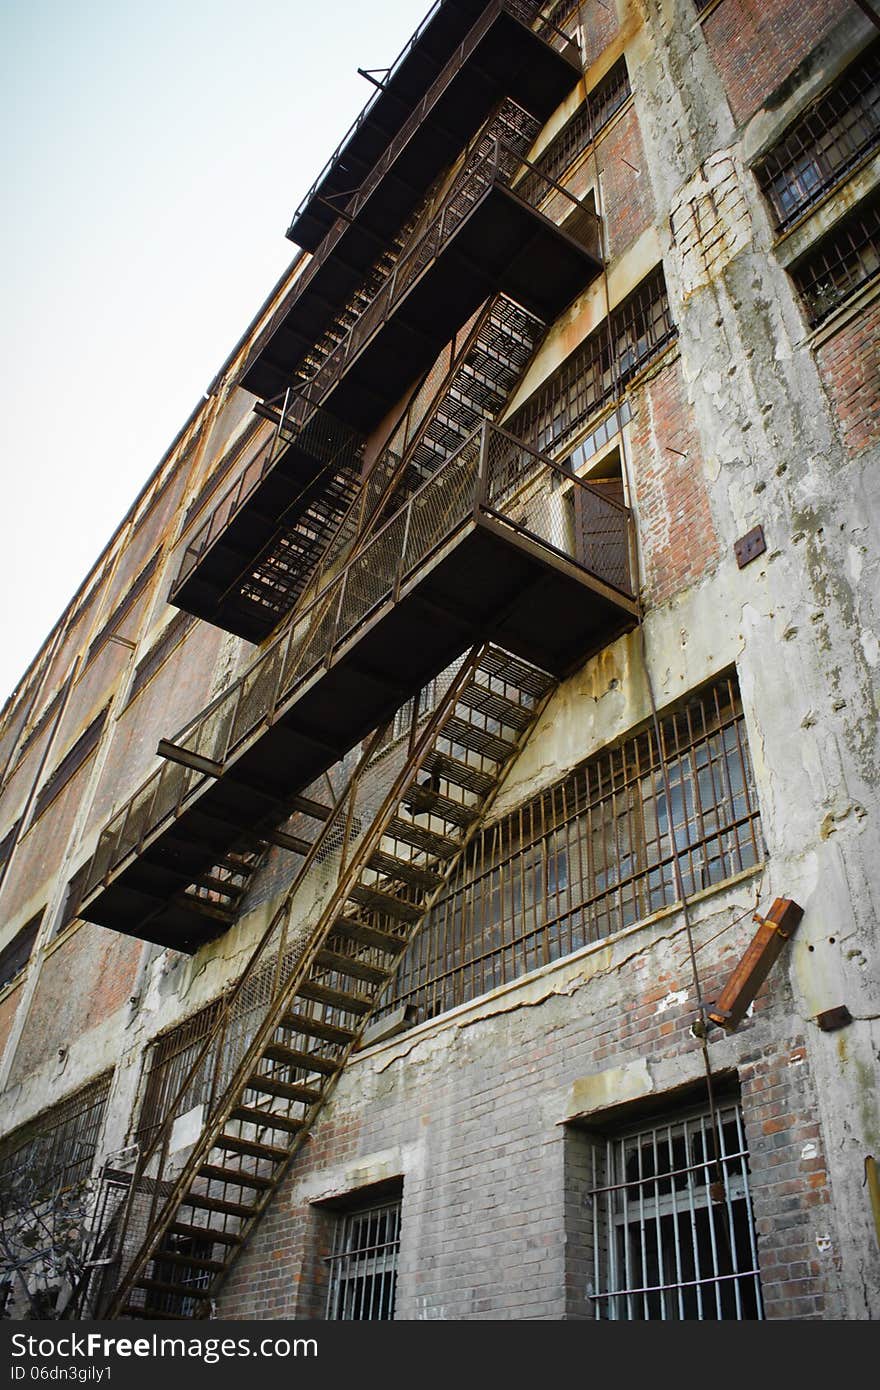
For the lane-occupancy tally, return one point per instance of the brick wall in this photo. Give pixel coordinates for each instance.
(599, 28)
(81, 984)
(850, 367)
(627, 200)
(756, 45)
(676, 529)
(489, 1224)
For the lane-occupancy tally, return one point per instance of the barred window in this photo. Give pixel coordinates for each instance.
(170, 1059)
(831, 136)
(596, 372)
(70, 764)
(846, 259)
(55, 1151)
(14, 957)
(592, 855)
(672, 1222)
(363, 1265)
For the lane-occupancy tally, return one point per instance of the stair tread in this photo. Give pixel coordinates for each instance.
(275, 1086)
(232, 1143)
(266, 1119)
(181, 1290)
(316, 1028)
(174, 1257)
(293, 1057)
(349, 965)
(335, 998)
(233, 1177)
(431, 842)
(379, 900)
(205, 1233)
(219, 1204)
(404, 870)
(366, 935)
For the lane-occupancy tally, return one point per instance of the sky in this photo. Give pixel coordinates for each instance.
(152, 158)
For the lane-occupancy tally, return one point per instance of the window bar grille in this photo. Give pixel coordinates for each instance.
(591, 855)
(834, 133)
(363, 1266)
(667, 1244)
(843, 261)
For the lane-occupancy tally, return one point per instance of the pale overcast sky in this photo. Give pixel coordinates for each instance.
(152, 158)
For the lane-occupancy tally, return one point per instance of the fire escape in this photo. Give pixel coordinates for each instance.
(370, 586)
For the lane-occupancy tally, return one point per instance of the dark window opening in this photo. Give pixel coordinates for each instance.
(14, 957)
(672, 1222)
(55, 1151)
(124, 606)
(70, 764)
(832, 135)
(603, 102)
(846, 259)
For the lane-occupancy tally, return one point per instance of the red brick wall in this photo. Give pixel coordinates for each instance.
(627, 200)
(850, 367)
(81, 983)
(677, 533)
(600, 27)
(756, 45)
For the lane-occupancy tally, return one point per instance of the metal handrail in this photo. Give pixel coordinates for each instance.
(524, 10)
(312, 637)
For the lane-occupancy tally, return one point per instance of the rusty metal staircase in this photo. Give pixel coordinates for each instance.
(308, 993)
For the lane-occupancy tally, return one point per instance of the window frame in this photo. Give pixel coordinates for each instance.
(664, 1221)
(379, 1261)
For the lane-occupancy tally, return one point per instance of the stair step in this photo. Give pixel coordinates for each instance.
(216, 1173)
(470, 779)
(231, 1143)
(493, 705)
(503, 666)
(289, 1090)
(221, 885)
(478, 740)
(317, 1028)
(404, 870)
(181, 1290)
(424, 800)
(431, 842)
(266, 1119)
(349, 930)
(308, 1061)
(335, 998)
(205, 1233)
(189, 1261)
(350, 965)
(205, 1203)
(377, 900)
